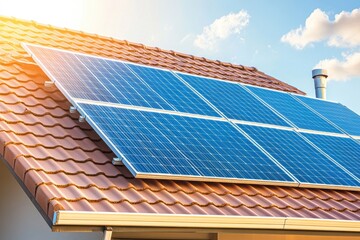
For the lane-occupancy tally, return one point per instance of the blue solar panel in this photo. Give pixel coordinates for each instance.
(343, 150)
(294, 111)
(157, 143)
(173, 90)
(97, 79)
(74, 77)
(233, 100)
(299, 157)
(336, 113)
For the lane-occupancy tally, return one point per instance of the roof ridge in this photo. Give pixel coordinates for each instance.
(129, 43)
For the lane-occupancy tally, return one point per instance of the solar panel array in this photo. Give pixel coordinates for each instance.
(165, 124)
(182, 145)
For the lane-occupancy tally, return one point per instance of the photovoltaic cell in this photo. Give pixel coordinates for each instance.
(343, 150)
(297, 113)
(233, 100)
(336, 113)
(173, 90)
(157, 143)
(299, 157)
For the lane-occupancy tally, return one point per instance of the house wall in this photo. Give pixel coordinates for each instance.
(19, 219)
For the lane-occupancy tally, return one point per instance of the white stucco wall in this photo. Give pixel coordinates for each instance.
(20, 220)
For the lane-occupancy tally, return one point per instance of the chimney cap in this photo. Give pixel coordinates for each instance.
(319, 72)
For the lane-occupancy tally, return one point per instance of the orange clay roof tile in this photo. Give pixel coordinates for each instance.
(66, 166)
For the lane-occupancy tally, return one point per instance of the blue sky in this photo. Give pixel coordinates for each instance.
(285, 39)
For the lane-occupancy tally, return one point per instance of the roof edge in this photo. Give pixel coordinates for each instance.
(109, 219)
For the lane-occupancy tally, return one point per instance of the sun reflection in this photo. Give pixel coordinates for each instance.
(62, 13)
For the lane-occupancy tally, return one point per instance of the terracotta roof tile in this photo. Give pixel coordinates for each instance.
(66, 166)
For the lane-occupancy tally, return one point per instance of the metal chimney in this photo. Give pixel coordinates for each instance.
(319, 76)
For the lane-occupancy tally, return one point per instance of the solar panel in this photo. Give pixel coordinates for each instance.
(294, 111)
(299, 157)
(345, 151)
(157, 143)
(74, 77)
(336, 113)
(233, 100)
(173, 90)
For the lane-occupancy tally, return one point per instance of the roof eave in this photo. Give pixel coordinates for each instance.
(106, 219)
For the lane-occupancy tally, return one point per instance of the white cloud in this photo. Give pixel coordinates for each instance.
(342, 32)
(342, 70)
(221, 29)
